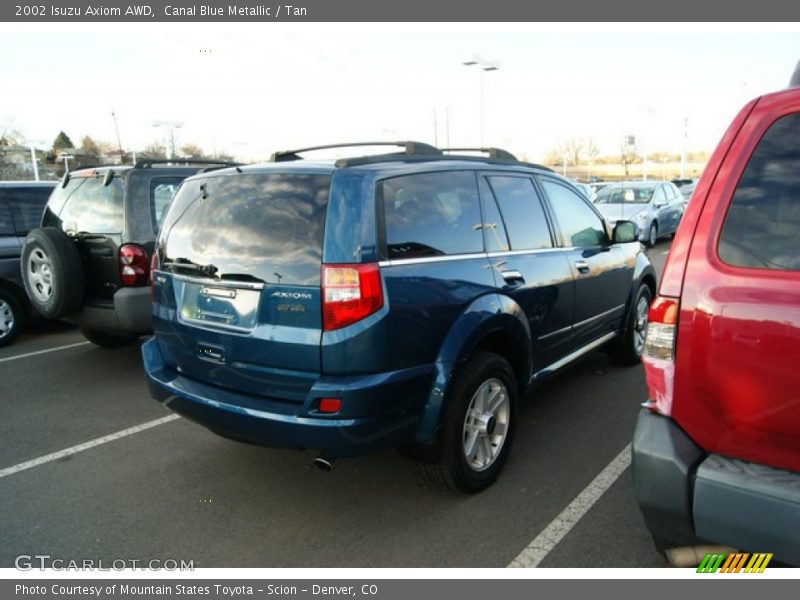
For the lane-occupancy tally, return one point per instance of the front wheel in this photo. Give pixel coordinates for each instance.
(652, 236)
(478, 425)
(629, 349)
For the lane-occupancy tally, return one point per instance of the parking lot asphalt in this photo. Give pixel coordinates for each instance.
(177, 491)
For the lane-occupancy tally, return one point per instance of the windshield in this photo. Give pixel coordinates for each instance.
(625, 195)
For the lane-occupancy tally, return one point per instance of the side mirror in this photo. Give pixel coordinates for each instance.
(625, 232)
(660, 203)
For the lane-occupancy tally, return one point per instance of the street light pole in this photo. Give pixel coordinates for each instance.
(484, 67)
(170, 140)
(33, 162)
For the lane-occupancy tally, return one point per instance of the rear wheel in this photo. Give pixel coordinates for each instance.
(478, 425)
(52, 272)
(12, 317)
(107, 340)
(629, 349)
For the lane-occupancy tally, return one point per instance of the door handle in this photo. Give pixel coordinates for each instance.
(582, 266)
(512, 276)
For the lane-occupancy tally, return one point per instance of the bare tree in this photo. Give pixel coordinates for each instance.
(192, 151)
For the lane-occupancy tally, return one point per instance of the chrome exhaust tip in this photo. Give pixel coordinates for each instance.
(325, 463)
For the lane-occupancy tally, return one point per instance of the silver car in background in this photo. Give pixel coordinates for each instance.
(655, 206)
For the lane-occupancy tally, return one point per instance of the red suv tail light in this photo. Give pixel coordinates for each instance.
(659, 354)
(349, 294)
(133, 268)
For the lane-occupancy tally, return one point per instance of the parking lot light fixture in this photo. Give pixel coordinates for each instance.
(485, 66)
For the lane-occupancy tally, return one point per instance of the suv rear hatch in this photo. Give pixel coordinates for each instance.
(237, 281)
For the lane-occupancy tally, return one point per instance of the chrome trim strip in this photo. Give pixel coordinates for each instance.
(433, 259)
(600, 316)
(216, 283)
(520, 252)
(571, 357)
(429, 259)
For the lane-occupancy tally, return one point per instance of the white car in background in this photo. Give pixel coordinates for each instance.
(655, 206)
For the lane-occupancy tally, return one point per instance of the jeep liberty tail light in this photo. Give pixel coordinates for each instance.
(133, 268)
(349, 294)
(659, 354)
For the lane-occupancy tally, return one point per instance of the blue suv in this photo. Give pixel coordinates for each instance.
(393, 300)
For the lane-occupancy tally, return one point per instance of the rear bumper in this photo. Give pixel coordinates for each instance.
(377, 424)
(688, 496)
(129, 313)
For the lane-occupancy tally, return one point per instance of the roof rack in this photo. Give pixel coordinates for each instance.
(493, 153)
(410, 148)
(148, 163)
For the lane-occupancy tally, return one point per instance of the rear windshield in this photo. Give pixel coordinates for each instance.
(87, 205)
(262, 228)
(625, 195)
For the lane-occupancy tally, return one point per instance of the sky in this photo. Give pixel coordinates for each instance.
(250, 89)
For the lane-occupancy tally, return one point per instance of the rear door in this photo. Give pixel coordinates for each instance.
(21, 208)
(238, 289)
(90, 211)
(527, 265)
(737, 387)
(9, 244)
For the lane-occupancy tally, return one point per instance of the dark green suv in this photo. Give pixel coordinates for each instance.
(89, 261)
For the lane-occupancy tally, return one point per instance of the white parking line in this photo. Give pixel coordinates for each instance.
(551, 535)
(56, 349)
(84, 446)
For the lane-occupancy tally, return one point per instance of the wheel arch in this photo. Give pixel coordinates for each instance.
(492, 323)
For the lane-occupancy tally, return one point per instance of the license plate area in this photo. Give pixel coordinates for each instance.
(227, 307)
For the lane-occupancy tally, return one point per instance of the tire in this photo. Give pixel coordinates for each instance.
(629, 349)
(652, 235)
(476, 436)
(107, 340)
(52, 272)
(12, 317)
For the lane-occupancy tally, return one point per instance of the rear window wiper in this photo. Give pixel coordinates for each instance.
(241, 277)
(188, 265)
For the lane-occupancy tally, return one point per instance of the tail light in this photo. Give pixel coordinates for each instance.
(659, 354)
(349, 294)
(133, 269)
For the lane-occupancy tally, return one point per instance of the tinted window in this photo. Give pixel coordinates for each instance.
(431, 214)
(90, 206)
(162, 191)
(763, 221)
(260, 227)
(6, 224)
(578, 223)
(522, 212)
(26, 205)
(494, 230)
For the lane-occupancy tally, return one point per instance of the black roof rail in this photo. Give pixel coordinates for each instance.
(494, 153)
(180, 162)
(410, 148)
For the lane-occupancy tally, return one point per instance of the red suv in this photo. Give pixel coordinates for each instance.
(716, 452)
